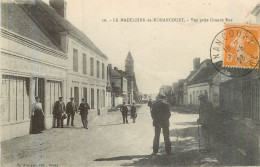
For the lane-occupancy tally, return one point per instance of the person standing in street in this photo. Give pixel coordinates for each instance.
(37, 116)
(133, 112)
(161, 114)
(71, 108)
(205, 120)
(83, 108)
(124, 111)
(58, 111)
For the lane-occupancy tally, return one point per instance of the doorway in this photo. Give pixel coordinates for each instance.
(76, 95)
(98, 110)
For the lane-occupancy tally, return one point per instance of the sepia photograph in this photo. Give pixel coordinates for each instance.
(110, 83)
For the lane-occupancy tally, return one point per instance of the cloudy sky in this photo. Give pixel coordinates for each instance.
(162, 52)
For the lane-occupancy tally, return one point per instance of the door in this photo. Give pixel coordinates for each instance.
(98, 101)
(113, 100)
(76, 95)
(41, 91)
(85, 94)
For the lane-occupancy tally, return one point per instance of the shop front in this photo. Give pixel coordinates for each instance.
(26, 73)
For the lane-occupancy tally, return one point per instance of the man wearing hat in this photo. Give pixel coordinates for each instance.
(205, 114)
(37, 116)
(83, 108)
(71, 108)
(58, 110)
(124, 111)
(161, 114)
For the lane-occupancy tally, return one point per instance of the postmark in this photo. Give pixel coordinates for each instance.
(234, 51)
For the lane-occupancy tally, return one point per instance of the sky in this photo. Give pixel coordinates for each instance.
(162, 52)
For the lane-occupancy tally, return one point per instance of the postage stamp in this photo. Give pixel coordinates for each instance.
(241, 46)
(236, 47)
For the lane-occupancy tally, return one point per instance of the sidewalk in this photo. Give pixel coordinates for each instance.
(51, 141)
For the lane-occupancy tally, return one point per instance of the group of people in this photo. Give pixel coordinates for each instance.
(160, 112)
(60, 112)
(124, 111)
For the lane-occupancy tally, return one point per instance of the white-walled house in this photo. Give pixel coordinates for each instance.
(31, 65)
(87, 65)
(204, 80)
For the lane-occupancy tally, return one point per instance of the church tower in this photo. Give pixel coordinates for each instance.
(129, 63)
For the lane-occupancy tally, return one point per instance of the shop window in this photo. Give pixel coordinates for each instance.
(15, 99)
(53, 92)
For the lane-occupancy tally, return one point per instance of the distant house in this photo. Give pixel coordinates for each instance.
(205, 80)
(179, 91)
(167, 90)
(119, 86)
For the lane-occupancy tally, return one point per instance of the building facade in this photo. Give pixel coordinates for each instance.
(31, 65)
(42, 54)
(86, 75)
(118, 82)
(205, 80)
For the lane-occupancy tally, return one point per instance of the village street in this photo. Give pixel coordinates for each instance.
(108, 142)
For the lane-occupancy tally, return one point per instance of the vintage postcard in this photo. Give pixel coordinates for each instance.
(130, 83)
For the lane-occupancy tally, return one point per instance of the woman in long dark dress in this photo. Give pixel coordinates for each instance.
(133, 112)
(37, 116)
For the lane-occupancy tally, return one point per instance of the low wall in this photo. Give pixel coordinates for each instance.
(11, 131)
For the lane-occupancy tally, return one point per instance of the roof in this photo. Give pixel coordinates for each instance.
(114, 73)
(205, 75)
(17, 21)
(129, 56)
(53, 24)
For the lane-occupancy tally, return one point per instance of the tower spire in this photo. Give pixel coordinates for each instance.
(129, 63)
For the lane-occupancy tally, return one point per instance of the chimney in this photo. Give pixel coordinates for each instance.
(196, 63)
(59, 6)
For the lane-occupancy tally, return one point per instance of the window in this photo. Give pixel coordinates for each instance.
(75, 60)
(91, 66)
(92, 98)
(98, 69)
(53, 93)
(103, 71)
(84, 61)
(15, 99)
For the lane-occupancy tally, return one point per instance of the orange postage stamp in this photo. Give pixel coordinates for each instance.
(241, 48)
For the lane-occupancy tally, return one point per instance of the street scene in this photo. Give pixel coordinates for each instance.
(95, 84)
(115, 144)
